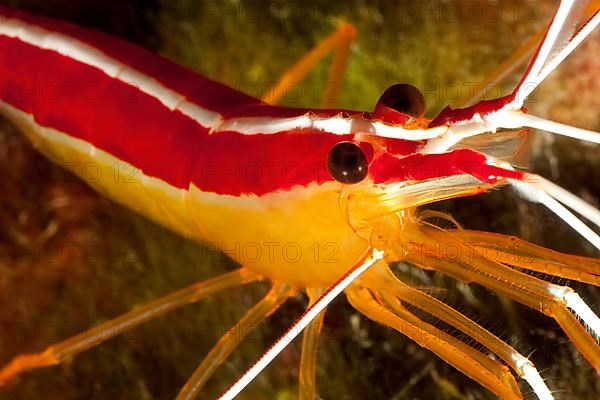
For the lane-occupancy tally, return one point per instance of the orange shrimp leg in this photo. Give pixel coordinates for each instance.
(433, 247)
(339, 42)
(489, 373)
(516, 252)
(308, 357)
(70, 347)
(391, 289)
(278, 294)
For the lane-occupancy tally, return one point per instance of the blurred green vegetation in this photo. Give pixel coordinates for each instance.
(248, 44)
(111, 259)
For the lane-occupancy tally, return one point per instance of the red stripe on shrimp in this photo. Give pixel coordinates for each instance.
(260, 164)
(420, 167)
(196, 88)
(143, 132)
(138, 129)
(83, 102)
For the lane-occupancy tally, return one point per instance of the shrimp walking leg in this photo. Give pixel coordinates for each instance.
(316, 308)
(519, 253)
(489, 373)
(308, 358)
(278, 294)
(339, 42)
(470, 266)
(93, 337)
(392, 290)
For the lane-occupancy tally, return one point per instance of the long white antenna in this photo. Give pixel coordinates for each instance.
(537, 195)
(572, 45)
(512, 119)
(302, 322)
(576, 204)
(531, 80)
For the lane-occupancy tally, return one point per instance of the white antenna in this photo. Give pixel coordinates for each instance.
(537, 195)
(572, 45)
(531, 81)
(302, 322)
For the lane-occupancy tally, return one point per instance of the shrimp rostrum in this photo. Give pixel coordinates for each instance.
(359, 180)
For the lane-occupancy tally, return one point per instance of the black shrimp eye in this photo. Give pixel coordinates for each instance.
(347, 163)
(404, 98)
